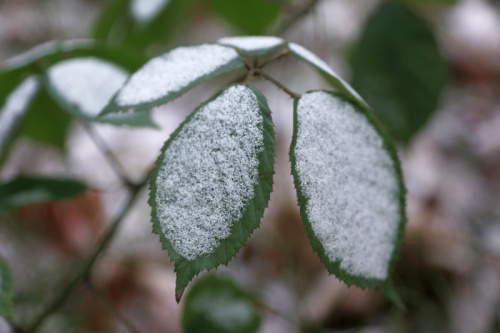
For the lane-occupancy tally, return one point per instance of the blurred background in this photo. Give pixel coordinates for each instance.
(429, 68)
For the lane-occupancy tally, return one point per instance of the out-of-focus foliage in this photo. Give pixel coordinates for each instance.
(6, 289)
(398, 69)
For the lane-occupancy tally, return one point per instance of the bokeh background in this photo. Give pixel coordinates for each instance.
(448, 274)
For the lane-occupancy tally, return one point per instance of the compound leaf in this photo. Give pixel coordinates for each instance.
(212, 181)
(349, 187)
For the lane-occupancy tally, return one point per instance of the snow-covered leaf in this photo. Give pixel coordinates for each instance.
(166, 77)
(13, 109)
(26, 190)
(213, 181)
(253, 45)
(6, 289)
(145, 10)
(84, 86)
(349, 186)
(326, 71)
(216, 304)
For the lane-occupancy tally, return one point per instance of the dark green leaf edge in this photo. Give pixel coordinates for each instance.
(243, 229)
(6, 290)
(335, 81)
(52, 188)
(132, 119)
(113, 107)
(334, 267)
(216, 282)
(258, 52)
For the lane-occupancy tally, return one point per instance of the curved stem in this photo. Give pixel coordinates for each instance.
(277, 83)
(277, 57)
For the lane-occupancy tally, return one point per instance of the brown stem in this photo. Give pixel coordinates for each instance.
(277, 84)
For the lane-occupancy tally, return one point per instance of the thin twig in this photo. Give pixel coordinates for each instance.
(277, 84)
(295, 17)
(277, 57)
(108, 154)
(111, 308)
(87, 266)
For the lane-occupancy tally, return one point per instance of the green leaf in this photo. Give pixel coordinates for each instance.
(303, 54)
(6, 289)
(13, 106)
(253, 45)
(45, 121)
(216, 304)
(397, 67)
(106, 23)
(349, 187)
(26, 190)
(168, 76)
(83, 87)
(251, 17)
(213, 181)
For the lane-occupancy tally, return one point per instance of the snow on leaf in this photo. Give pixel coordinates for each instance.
(85, 85)
(12, 112)
(336, 81)
(253, 44)
(349, 187)
(167, 76)
(145, 10)
(213, 181)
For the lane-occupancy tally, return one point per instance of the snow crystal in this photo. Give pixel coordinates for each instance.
(14, 107)
(89, 83)
(252, 43)
(145, 10)
(317, 62)
(208, 173)
(224, 309)
(350, 182)
(173, 71)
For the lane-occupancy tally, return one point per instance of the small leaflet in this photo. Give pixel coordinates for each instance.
(145, 10)
(165, 77)
(213, 180)
(349, 186)
(12, 112)
(253, 44)
(336, 81)
(86, 85)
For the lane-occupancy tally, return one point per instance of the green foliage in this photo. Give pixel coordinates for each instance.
(26, 190)
(216, 304)
(6, 289)
(398, 69)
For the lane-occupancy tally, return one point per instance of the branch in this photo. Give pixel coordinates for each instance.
(87, 266)
(277, 84)
(277, 57)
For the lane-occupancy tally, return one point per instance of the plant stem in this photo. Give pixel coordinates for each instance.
(108, 154)
(111, 308)
(85, 270)
(277, 57)
(277, 83)
(295, 17)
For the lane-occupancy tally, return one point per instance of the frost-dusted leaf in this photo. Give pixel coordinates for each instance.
(13, 109)
(253, 45)
(213, 181)
(26, 190)
(398, 68)
(6, 289)
(166, 77)
(322, 67)
(145, 10)
(349, 186)
(216, 304)
(84, 86)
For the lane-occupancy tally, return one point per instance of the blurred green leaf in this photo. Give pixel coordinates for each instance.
(216, 304)
(252, 17)
(26, 190)
(431, 2)
(6, 289)
(398, 69)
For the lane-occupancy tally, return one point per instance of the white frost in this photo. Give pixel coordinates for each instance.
(14, 107)
(89, 83)
(302, 52)
(173, 71)
(224, 310)
(351, 184)
(208, 173)
(145, 10)
(252, 43)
